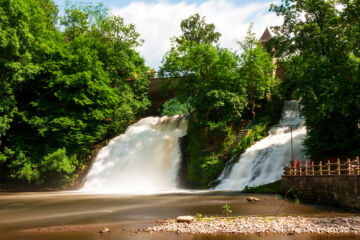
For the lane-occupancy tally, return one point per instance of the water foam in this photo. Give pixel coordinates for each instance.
(263, 162)
(145, 159)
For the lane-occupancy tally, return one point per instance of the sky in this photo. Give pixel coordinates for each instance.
(159, 20)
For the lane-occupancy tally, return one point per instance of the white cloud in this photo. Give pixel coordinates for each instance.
(158, 22)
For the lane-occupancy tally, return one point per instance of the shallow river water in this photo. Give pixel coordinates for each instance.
(73, 216)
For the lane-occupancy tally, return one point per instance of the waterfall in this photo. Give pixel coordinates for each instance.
(145, 159)
(263, 162)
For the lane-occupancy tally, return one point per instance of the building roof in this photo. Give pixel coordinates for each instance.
(266, 36)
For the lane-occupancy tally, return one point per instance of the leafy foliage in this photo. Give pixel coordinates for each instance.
(196, 30)
(198, 216)
(320, 40)
(58, 164)
(217, 93)
(227, 209)
(256, 69)
(270, 188)
(216, 85)
(174, 107)
(64, 86)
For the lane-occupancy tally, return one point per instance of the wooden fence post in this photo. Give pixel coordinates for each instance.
(312, 168)
(357, 165)
(329, 171)
(306, 168)
(320, 167)
(289, 169)
(349, 167)
(300, 169)
(338, 167)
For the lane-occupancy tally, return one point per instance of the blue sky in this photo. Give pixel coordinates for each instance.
(158, 21)
(123, 3)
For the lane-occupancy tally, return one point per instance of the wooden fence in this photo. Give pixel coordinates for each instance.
(350, 167)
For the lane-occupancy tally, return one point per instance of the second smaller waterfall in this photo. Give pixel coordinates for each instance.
(263, 162)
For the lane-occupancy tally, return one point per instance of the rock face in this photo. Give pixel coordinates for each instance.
(252, 199)
(185, 219)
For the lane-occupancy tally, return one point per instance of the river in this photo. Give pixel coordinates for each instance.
(73, 215)
(146, 159)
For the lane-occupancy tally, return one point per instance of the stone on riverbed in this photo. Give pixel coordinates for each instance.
(252, 199)
(186, 219)
(104, 230)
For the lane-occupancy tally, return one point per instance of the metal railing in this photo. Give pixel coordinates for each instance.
(239, 135)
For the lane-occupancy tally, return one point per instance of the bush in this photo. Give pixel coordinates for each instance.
(270, 188)
(58, 165)
(174, 107)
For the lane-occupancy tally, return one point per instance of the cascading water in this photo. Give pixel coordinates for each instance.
(145, 159)
(264, 161)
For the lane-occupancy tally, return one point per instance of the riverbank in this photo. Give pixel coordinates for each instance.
(268, 224)
(270, 188)
(76, 215)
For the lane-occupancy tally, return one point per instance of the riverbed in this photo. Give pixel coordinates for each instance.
(74, 215)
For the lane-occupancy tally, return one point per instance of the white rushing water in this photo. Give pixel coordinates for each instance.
(145, 159)
(263, 162)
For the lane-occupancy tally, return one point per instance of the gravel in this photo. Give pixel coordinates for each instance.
(251, 225)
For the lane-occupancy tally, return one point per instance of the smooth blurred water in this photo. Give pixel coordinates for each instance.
(74, 215)
(145, 159)
(264, 161)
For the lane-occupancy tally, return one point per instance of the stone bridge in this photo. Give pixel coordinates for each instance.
(157, 96)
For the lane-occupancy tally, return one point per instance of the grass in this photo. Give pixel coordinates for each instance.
(270, 188)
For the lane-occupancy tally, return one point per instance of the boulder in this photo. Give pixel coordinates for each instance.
(252, 199)
(186, 219)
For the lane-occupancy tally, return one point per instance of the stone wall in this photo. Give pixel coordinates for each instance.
(343, 191)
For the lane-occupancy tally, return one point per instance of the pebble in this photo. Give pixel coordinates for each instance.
(104, 230)
(250, 225)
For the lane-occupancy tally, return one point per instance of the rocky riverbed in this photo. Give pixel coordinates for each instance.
(251, 225)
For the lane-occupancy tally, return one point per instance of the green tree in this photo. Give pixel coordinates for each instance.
(256, 69)
(65, 86)
(320, 40)
(207, 81)
(217, 93)
(26, 33)
(58, 164)
(196, 30)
